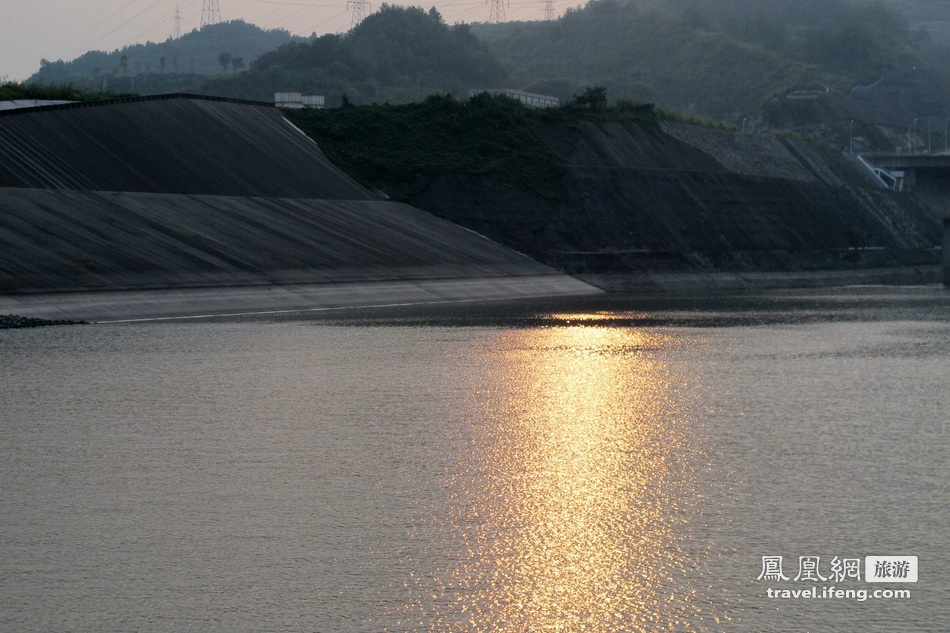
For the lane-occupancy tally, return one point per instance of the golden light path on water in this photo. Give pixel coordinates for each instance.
(571, 512)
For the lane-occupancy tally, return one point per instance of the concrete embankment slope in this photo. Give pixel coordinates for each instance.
(644, 206)
(173, 207)
(168, 145)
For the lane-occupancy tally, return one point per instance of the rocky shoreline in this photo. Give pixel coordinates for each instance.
(12, 321)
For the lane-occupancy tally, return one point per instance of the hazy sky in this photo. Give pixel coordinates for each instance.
(65, 29)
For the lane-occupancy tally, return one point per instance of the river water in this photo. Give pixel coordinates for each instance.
(606, 464)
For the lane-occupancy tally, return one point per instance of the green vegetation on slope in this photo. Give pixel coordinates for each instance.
(11, 91)
(491, 136)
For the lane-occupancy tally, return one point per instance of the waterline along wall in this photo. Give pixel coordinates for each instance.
(189, 195)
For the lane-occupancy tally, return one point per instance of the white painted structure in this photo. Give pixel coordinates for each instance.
(884, 178)
(295, 100)
(527, 98)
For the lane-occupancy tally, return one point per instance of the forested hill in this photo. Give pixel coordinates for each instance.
(725, 59)
(193, 54)
(396, 54)
(717, 57)
(927, 22)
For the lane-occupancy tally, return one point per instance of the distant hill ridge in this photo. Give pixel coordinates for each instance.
(195, 53)
(723, 59)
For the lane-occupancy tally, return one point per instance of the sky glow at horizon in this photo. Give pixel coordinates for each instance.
(65, 29)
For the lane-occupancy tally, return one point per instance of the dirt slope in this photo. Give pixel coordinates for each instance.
(639, 199)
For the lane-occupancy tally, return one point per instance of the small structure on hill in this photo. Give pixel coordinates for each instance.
(295, 100)
(527, 98)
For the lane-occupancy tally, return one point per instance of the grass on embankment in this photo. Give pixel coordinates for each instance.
(12, 91)
(491, 136)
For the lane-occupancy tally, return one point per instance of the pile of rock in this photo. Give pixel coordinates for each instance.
(14, 321)
(750, 154)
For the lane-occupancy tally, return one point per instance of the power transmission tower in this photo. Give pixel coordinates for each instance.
(548, 9)
(210, 13)
(359, 11)
(177, 23)
(497, 11)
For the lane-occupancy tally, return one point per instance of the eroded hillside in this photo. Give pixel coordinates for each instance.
(634, 196)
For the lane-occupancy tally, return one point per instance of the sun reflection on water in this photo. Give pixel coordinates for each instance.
(570, 508)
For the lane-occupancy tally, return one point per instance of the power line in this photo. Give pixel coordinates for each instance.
(359, 11)
(497, 13)
(324, 20)
(288, 15)
(210, 13)
(95, 26)
(126, 23)
(150, 29)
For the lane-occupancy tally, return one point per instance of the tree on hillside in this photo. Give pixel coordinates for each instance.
(124, 62)
(224, 58)
(594, 98)
(237, 63)
(408, 44)
(161, 64)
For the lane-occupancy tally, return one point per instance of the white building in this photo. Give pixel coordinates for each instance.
(527, 98)
(295, 100)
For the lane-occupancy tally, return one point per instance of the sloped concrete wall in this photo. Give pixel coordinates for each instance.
(187, 206)
(70, 240)
(190, 146)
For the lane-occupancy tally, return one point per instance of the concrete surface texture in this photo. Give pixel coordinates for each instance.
(136, 305)
(56, 241)
(182, 145)
(191, 206)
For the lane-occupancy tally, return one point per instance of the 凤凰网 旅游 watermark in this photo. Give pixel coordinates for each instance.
(838, 577)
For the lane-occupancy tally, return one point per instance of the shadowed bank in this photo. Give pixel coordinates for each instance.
(192, 193)
(172, 199)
